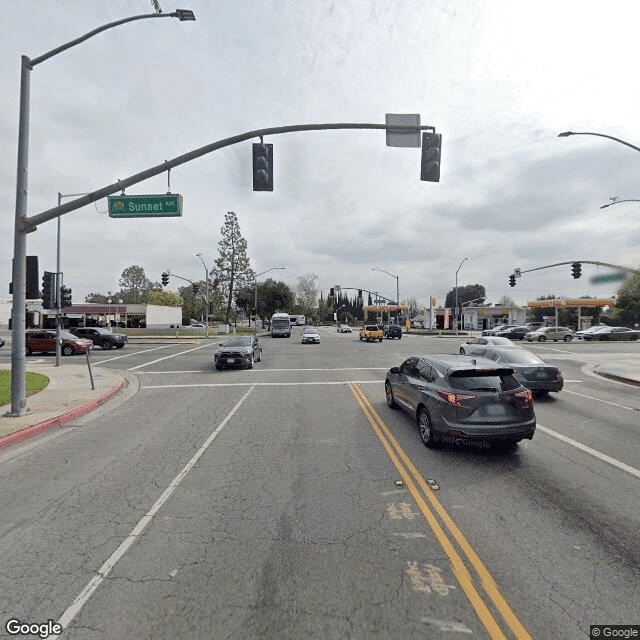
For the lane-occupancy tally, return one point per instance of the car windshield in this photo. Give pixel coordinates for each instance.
(499, 340)
(67, 336)
(310, 331)
(238, 341)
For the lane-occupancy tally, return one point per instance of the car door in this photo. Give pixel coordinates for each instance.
(415, 384)
(402, 388)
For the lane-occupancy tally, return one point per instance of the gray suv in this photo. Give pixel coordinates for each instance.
(461, 399)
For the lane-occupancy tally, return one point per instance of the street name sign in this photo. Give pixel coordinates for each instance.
(609, 277)
(146, 206)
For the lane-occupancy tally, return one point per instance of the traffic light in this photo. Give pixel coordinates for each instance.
(32, 292)
(49, 298)
(65, 297)
(430, 163)
(262, 166)
(165, 279)
(332, 292)
(576, 269)
(512, 280)
(194, 286)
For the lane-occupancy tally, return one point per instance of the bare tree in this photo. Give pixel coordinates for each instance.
(307, 292)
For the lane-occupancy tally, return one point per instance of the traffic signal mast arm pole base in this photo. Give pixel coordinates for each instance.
(30, 224)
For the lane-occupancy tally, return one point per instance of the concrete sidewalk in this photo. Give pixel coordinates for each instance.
(67, 396)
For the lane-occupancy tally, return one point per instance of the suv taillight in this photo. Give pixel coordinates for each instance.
(455, 398)
(526, 395)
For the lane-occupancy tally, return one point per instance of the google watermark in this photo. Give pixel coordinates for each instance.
(41, 629)
(614, 631)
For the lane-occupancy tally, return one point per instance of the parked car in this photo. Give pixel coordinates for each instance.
(513, 333)
(533, 325)
(238, 351)
(101, 337)
(473, 345)
(371, 332)
(590, 330)
(310, 335)
(393, 331)
(44, 341)
(344, 328)
(456, 398)
(530, 370)
(416, 324)
(550, 333)
(500, 327)
(613, 333)
(1, 341)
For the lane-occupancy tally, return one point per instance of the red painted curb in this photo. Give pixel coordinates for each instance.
(35, 429)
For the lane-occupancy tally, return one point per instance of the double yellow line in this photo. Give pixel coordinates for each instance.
(419, 489)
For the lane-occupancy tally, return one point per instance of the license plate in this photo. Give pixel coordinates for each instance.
(231, 359)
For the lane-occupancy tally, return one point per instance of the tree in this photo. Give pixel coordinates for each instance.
(628, 301)
(96, 298)
(232, 265)
(164, 298)
(466, 293)
(273, 296)
(135, 286)
(307, 293)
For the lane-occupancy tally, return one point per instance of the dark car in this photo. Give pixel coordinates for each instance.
(612, 333)
(500, 327)
(44, 341)
(530, 370)
(392, 331)
(238, 351)
(456, 398)
(1, 341)
(514, 333)
(102, 337)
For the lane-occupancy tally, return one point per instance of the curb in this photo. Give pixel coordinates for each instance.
(613, 376)
(35, 429)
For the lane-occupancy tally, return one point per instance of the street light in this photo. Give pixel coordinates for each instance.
(22, 226)
(615, 200)
(397, 291)
(456, 310)
(255, 299)
(566, 134)
(206, 302)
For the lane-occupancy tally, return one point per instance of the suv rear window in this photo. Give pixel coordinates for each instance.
(490, 380)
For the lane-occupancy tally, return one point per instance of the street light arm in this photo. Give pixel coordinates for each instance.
(566, 134)
(383, 271)
(90, 34)
(604, 206)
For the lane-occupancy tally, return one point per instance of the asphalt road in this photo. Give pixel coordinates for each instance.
(265, 503)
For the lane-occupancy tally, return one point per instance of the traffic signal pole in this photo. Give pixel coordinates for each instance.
(25, 225)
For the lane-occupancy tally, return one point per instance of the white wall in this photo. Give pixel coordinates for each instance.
(161, 317)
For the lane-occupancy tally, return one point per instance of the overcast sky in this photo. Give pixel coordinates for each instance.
(499, 80)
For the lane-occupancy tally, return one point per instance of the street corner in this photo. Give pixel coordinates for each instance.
(626, 372)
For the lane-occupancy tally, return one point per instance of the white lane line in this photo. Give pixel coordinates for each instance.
(173, 355)
(615, 404)
(590, 451)
(279, 370)
(105, 569)
(128, 355)
(255, 384)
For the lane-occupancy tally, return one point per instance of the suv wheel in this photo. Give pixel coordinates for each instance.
(107, 344)
(67, 350)
(424, 426)
(251, 362)
(391, 401)
(567, 338)
(541, 338)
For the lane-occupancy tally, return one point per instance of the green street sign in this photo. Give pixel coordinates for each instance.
(608, 277)
(161, 206)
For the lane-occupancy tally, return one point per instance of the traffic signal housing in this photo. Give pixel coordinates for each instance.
(262, 166)
(65, 297)
(430, 162)
(165, 279)
(512, 280)
(49, 298)
(576, 269)
(332, 292)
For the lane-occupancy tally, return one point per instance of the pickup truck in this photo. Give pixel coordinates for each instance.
(371, 332)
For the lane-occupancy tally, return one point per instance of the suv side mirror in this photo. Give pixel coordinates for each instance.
(394, 370)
